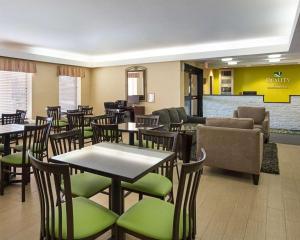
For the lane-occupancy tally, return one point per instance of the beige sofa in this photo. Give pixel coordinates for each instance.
(232, 144)
(260, 116)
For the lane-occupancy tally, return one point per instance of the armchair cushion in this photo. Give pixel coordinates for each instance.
(256, 113)
(182, 114)
(164, 117)
(242, 123)
(174, 115)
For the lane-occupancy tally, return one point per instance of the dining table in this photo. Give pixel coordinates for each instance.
(120, 162)
(132, 128)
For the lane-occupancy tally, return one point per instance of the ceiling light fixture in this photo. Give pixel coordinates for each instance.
(274, 56)
(232, 63)
(274, 60)
(226, 59)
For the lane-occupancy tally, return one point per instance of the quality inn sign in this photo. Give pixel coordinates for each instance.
(278, 81)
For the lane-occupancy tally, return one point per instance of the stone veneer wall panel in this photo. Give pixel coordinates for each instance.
(282, 115)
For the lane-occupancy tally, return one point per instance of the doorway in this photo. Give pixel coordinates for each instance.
(193, 90)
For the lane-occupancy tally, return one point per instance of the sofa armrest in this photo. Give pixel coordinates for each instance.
(194, 119)
(266, 124)
(235, 114)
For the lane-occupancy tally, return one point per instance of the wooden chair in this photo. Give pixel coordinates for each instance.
(105, 133)
(34, 138)
(156, 219)
(71, 218)
(103, 119)
(87, 110)
(82, 184)
(76, 121)
(147, 120)
(160, 183)
(39, 120)
(57, 123)
(22, 115)
(82, 106)
(175, 127)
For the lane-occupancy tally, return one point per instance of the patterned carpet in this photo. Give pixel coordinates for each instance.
(270, 159)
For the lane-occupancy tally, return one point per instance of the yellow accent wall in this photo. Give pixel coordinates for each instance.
(255, 79)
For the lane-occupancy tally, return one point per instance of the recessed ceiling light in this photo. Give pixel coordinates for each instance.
(274, 56)
(232, 63)
(226, 59)
(273, 60)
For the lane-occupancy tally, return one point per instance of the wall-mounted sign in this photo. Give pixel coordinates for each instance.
(278, 81)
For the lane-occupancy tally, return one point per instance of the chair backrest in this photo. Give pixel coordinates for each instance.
(82, 106)
(147, 120)
(14, 118)
(55, 113)
(87, 110)
(103, 119)
(49, 178)
(22, 115)
(40, 120)
(105, 133)
(166, 141)
(160, 140)
(185, 206)
(175, 127)
(76, 121)
(73, 111)
(35, 138)
(66, 141)
(109, 105)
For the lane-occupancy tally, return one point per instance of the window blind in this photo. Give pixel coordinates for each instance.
(69, 91)
(15, 92)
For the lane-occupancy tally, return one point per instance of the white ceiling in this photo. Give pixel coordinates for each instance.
(102, 32)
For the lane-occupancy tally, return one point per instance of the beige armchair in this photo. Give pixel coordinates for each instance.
(232, 144)
(260, 116)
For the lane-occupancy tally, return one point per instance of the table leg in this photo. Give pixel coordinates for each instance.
(117, 198)
(131, 138)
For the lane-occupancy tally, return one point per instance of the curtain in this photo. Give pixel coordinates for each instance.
(70, 71)
(17, 65)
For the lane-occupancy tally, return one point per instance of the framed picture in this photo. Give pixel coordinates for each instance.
(151, 97)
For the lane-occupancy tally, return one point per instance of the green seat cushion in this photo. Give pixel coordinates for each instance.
(19, 148)
(61, 123)
(152, 184)
(89, 218)
(88, 184)
(152, 218)
(88, 129)
(15, 158)
(88, 134)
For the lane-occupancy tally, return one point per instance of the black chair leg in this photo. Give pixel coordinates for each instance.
(1, 179)
(140, 196)
(24, 179)
(255, 179)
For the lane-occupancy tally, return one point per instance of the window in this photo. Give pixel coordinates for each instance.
(15, 92)
(69, 92)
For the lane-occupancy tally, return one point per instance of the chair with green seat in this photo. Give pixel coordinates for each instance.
(156, 219)
(57, 123)
(34, 138)
(157, 184)
(83, 184)
(105, 133)
(71, 218)
(39, 120)
(76, 121)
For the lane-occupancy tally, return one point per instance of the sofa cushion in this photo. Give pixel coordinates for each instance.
(182, 114)
(242, 123)
(174, 115)
(256, 113)
(164, 117)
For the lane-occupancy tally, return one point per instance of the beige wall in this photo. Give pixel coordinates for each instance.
(45, 88)
(163, 79)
